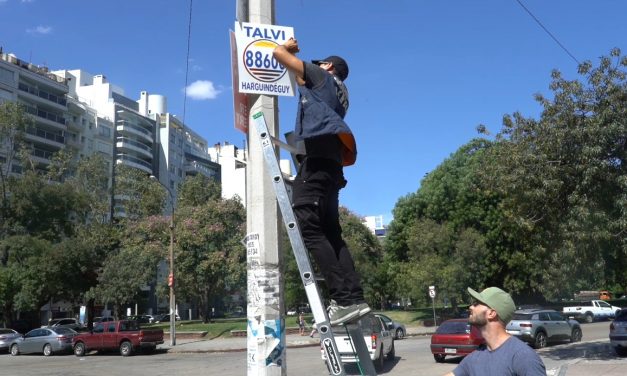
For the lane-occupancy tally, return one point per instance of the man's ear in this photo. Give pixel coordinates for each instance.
(492, 315)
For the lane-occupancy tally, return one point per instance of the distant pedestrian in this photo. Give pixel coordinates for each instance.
(301, 324)
(314, 329)
(503, 354)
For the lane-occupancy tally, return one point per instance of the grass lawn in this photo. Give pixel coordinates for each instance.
(223, 327)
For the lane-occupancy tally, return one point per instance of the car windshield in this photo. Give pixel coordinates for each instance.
(522, 316)
(453, 327)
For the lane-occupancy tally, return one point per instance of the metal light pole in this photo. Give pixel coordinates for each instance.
(171, 275)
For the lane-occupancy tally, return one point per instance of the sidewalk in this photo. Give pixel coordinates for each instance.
(227, 344)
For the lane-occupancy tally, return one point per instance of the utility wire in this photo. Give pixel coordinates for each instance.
(547, 31)
(189, 38)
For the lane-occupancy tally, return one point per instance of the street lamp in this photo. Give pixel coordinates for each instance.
(171, 275)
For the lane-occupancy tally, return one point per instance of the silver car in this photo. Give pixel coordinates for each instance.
(44, 340)
(6, 337)
(393, 326)
(618, 333)
(541, 326)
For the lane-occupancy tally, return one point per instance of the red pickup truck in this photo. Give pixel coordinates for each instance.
(124, 335)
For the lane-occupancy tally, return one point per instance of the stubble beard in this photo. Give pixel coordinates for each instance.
(478, 320)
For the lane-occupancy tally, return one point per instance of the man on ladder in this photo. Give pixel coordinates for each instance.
(329, 145)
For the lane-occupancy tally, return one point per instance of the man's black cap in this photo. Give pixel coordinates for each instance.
(339, 64)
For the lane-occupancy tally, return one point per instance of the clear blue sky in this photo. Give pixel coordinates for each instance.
(423, 73)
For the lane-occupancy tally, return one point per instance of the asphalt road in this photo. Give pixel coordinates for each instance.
(412, 358)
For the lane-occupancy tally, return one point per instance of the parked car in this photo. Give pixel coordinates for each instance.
(456, 338)
(142, 319)
(44, 340)
(393, 326)
(103, 319)
(618, 333)
(124, 335)
(166, 318)
(6, 337)
(591, 310)
(65, 323)
(379, 341)
(541, 326)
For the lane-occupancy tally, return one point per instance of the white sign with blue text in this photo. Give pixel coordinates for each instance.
(259, 72)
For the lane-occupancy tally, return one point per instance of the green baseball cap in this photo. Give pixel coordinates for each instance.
(498, 300)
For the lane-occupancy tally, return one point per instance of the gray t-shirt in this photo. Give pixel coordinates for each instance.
(512, 358)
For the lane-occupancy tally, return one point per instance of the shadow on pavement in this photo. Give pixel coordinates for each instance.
(586, 351)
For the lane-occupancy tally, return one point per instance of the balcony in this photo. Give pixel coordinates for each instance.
(194, 168)
(132, 161)
(48, 117)
(42, 156)
(130, 128)
(135, 146)
(57, 100)
(39, 135)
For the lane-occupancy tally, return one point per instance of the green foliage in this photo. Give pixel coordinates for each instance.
(540, 211)
(137, 195)
(198, 190)
(210, 259)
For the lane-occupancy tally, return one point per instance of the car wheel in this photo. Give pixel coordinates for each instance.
(392, 353)
(79, 349)
(126, 348)
(400, 334)
(15, 351)
(378, 363)
(576, 335)
(540, 340)
(439, 358)
(588, 318)
(47, 349)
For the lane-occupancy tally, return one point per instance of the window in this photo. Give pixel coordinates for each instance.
(99, 328)
(104, 131)
(604, 305)
(7, 76)
(556, 316)
(111, 327)
(544, 316)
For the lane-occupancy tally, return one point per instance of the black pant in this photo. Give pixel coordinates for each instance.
(315, 200)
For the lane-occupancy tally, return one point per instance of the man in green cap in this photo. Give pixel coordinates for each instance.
(503, 354)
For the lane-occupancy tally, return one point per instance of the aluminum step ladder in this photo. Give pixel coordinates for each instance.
(353, 329)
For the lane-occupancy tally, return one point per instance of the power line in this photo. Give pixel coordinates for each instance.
(547, 31)
(189, 38)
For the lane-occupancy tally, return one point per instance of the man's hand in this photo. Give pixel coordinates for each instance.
(291, 45)
(285, 55)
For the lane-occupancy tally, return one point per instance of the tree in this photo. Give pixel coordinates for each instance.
(139, 196)
(133, 264)
(13, 124)
(563, 180)
(210, 257)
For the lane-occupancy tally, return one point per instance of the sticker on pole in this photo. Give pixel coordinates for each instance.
(253, 246)
(259, 71)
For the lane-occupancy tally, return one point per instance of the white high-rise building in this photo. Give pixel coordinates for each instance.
(43, 94)
(232, 162)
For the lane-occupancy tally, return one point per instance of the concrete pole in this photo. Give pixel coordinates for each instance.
(266, 327)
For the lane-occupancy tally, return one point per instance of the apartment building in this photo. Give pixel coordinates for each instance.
(43, 94)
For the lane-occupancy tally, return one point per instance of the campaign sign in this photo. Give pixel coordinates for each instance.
(259, 72)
